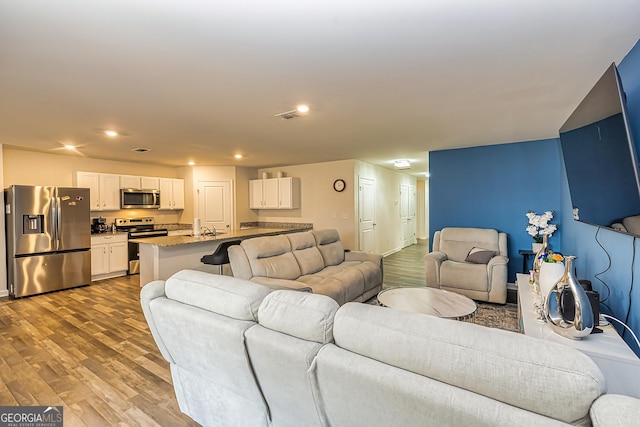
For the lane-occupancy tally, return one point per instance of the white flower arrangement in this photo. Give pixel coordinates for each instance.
(539, 225)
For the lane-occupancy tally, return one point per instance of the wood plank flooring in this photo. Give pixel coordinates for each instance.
(89, 349)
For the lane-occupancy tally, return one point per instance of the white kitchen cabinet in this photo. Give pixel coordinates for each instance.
(109, 256)
(139, 182)
(149, 183)
(130, 181)
(274, 193)
(104, 189)
(171, 193)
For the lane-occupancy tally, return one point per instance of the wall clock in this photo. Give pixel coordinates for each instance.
(339, 185)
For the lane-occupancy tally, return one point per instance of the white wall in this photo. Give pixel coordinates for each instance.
(326, 208)
(320, 204)
(422, 203)
(389, 226)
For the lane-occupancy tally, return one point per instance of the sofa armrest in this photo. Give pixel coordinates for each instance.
(363, 256)
(239, 261)
(148, 293)
(615, 410)
(432, 262)
(497, 260)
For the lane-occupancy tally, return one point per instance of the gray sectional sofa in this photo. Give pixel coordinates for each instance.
(242, 354)
(311, 260)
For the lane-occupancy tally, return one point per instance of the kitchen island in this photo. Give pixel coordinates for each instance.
(160, 257)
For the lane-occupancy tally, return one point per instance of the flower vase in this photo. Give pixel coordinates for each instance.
(537, 261)
(574, 325)
(550, 273)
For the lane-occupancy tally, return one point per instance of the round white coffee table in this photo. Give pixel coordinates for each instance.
(436, 302)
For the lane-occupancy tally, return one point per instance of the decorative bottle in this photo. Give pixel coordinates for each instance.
(543, 250)
(582, 321)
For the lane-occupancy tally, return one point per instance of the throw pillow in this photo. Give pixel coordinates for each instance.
(479, 255)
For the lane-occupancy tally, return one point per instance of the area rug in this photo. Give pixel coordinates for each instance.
(490, 315)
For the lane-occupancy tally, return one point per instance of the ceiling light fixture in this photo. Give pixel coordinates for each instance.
(402, 164)
(238, 156)
(70, 147)
(111, 133)
(300, 111)
(191, 163)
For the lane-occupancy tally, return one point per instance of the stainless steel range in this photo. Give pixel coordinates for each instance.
(138, 228)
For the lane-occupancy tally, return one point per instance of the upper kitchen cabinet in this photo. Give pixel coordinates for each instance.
(104, 189)
(149, 183)
(274, 193)
(171, 193)
(139, 182)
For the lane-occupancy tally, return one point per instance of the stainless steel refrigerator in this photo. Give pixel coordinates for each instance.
(48, 238)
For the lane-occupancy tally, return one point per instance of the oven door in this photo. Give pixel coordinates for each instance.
(134, 248)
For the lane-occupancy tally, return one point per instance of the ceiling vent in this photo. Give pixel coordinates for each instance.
(300, 111)
(287, 115)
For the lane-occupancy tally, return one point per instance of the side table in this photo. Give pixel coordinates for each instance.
(526, 253)
(618, 363)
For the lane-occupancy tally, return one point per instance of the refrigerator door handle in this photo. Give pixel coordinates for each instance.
(58, 223)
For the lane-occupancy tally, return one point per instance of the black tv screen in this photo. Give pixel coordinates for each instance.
(600, 158)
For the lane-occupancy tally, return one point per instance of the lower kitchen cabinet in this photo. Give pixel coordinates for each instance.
(109, 256)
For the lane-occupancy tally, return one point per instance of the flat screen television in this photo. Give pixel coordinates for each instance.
(600, 159)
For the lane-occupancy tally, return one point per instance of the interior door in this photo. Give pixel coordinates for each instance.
(367, 215)
(215, 205)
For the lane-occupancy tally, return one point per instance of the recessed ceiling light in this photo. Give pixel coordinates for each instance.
(70, 147)
(238, 156)
(111, 133)
(302, 108)
(191, 163)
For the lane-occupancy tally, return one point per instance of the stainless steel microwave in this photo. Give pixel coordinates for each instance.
(131, 198)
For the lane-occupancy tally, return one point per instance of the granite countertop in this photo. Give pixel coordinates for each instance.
(221, 237)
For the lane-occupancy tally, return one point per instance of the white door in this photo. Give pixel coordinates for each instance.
(367, 217)
(411, 218)
(215, 205)
(404, 213)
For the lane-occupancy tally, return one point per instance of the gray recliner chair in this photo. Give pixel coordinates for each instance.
(469, 261)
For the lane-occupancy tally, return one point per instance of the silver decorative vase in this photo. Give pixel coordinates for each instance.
(583, 322)
(543, 249)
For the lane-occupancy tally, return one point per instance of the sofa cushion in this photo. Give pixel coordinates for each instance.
(306, 252)
(271, 256)
(464, 276)
(299, 314)
(539, 376)
(330, 246)
(224, 295)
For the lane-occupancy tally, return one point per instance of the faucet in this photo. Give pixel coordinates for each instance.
(209, 232)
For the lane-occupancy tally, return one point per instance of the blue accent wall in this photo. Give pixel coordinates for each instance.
(494, 186)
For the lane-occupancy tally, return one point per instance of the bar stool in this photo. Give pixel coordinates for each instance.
(220, 256)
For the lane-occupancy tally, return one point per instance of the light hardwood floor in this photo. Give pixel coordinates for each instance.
(89, 349)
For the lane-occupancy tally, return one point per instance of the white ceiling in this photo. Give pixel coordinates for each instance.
(202, 80)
